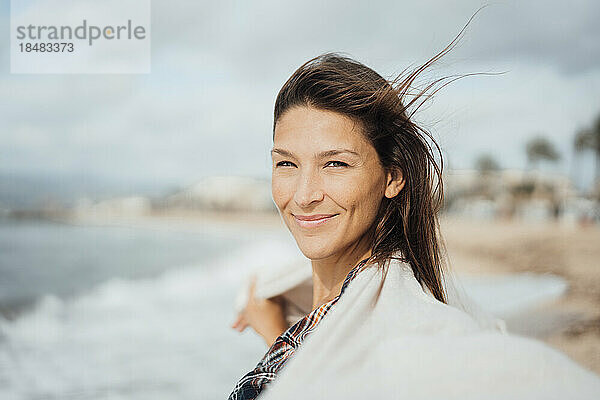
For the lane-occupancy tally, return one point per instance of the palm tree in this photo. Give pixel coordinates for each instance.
(589, 139)
(486, 164)
(540, 149)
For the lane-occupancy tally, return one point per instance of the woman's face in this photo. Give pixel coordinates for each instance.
(327, 180)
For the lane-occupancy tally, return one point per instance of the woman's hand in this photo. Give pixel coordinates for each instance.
(265, 316)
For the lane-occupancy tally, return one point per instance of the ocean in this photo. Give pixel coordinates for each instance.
(117, 312)
(94, 312)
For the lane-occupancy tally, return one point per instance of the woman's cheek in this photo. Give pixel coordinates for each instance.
(350, 191)
(276, 193)
(341, 187)
(281, 191)
(364, 200)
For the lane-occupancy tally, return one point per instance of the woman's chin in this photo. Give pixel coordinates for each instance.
(315, 251)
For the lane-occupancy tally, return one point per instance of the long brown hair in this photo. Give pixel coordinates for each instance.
(408, 222)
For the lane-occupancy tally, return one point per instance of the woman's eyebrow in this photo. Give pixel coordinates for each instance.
(323, 154)
(282, 152)
(335, 152)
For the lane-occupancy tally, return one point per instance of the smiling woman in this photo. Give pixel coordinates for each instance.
(327, 182)
(357, 183)
(354, 180)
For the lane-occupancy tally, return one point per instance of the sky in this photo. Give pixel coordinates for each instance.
(206, 107)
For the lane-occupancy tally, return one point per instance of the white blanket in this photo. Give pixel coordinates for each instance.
(408, 345)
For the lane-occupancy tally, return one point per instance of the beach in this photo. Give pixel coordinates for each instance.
(146, 302)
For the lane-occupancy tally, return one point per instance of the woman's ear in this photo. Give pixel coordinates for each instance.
(395, 183)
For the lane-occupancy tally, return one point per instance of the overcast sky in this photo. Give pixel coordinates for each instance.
(217, 66)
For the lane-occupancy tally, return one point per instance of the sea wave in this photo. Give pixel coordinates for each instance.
(164, 337)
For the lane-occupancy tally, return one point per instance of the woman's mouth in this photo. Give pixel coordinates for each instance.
(311, 221)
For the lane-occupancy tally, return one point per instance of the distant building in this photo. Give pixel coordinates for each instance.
(529, 195)
(224, 193)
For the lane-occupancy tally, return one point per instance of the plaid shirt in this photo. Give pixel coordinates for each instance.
(250, 386)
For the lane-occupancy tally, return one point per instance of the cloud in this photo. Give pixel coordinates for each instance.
(563, 35)
(206, 108)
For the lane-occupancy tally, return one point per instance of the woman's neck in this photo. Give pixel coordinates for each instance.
(329, 273)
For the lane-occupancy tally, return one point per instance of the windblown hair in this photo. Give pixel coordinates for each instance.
(384, 109)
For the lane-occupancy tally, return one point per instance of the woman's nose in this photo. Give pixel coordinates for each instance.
(309, 189)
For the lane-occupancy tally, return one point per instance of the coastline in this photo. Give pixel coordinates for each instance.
(570, 323)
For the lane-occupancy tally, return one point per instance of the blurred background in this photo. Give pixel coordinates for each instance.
(132, 207)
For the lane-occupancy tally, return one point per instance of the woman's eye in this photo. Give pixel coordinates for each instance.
(284, 164)
(336, 164)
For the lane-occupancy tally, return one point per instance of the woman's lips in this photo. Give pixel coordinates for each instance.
(311, 221)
